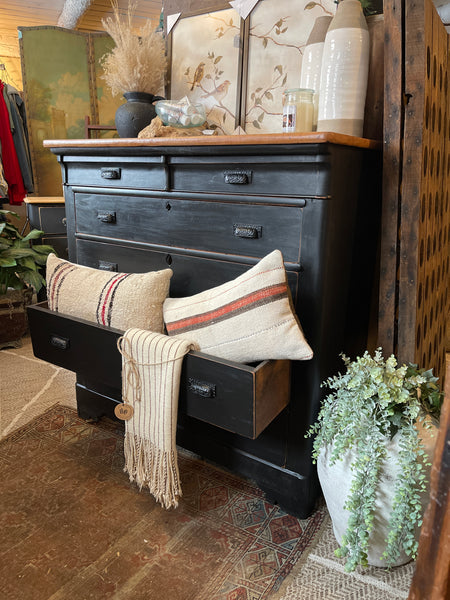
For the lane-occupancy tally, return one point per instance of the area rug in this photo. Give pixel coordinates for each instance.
(73, 527)
(319, 575)
(29, 386)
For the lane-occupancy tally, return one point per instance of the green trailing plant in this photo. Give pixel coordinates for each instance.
(20, 262)
(371, 402)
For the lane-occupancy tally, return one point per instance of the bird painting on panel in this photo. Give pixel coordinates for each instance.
(198, 75)
(219, 92)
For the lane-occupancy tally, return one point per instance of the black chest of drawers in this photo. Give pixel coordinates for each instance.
(210, 211)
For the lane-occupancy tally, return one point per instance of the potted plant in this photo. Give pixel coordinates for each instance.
(374, 439)
(20, 263)
(136, 68)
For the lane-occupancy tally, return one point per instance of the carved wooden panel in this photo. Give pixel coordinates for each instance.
(424, 252)
(414, 300)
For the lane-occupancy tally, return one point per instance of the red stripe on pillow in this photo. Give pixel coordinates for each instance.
(114, 282)
(58, 277)
(226, 311)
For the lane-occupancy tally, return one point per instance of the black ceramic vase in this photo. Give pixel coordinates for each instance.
(135, 114)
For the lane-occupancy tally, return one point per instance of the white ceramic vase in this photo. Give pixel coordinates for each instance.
(336, 480)
(312, 61)
(345, 67)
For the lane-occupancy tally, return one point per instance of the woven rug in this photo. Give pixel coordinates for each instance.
(73, 527)
(319, 575)
(29, 386)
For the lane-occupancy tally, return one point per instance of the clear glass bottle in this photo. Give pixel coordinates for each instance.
(298, 110)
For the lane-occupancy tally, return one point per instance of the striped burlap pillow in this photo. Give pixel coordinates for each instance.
(119, 300)
(244, 320)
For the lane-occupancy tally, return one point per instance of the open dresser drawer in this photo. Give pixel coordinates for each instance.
(237, 397)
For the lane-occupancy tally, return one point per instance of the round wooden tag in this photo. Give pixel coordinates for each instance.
(124, 411)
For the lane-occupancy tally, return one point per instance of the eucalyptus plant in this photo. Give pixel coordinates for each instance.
(20, 262)
(368, 404)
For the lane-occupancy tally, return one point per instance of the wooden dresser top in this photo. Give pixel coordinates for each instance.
(220, 140)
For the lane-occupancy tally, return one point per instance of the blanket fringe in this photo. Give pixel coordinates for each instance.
(148, 465)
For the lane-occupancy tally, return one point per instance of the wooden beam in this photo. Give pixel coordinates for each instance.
(431, 580)
(392, 172)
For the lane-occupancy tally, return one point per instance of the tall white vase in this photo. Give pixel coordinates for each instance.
(345, 67)
(312, 61)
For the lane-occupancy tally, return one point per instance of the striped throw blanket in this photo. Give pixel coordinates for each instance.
(151, 369)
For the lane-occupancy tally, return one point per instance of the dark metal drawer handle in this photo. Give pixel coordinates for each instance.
(237, 177)
(201, 388)
(111, 173)
(106, 217)
(59, 342)
(104, 265)
(251, 232)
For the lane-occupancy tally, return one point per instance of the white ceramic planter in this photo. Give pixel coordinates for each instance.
(336, 480)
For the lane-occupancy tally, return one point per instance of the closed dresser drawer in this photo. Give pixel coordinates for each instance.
(297, 176)
(48, 218)
(59, 243)
(220, 227)
(150, 174)
(240, 398)
(191, 274)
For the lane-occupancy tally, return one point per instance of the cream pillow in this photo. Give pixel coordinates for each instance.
(244, 320)
(119, 300)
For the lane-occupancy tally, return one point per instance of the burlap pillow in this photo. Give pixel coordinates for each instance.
(244, 320)
(119, 300)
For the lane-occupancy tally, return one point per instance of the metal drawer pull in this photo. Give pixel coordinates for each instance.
(237, 177)
(108, 173)
(59, 342)
(106, 217)
(201, 388)
(251, 232)
(64, 221)
(104, 265)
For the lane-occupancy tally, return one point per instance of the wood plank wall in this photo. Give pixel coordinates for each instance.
(415, 238)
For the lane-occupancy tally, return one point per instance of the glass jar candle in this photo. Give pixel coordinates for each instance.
(298, 110)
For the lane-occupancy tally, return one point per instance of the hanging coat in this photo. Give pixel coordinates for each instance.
(20, 135)
(11, 167)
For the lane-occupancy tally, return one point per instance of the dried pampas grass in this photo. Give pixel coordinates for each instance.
(138, 62)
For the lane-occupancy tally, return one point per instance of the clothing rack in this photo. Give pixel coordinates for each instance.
(5, 76)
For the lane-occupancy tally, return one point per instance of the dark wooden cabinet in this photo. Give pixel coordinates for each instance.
(210, 209)
(48, 214)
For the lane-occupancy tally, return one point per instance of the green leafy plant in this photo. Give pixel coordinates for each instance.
(19, 260)
(368, 404)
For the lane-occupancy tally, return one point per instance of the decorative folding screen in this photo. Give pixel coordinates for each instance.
(61, 80)
(414, 299)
